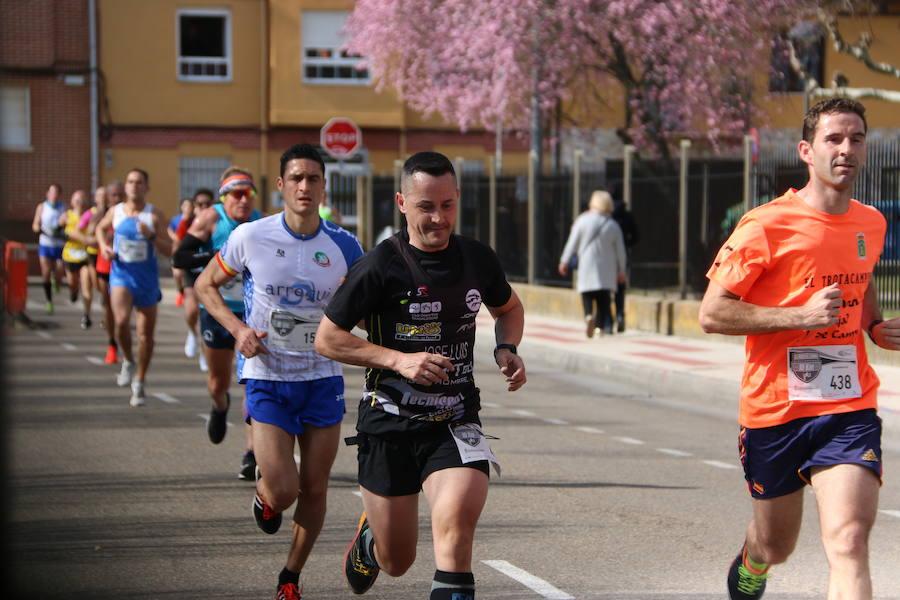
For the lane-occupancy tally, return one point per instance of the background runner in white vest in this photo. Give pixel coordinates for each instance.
(50, 240)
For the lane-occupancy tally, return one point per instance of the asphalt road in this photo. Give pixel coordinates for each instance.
(606, 492)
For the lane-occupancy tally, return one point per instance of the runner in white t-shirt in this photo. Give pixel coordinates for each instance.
(291, 264)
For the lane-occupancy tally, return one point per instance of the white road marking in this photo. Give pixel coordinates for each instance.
(628, 440)
(555, 421)
(672, 452)
(893, 513)
(589, 430)
(69, 347)
(536, 584)
(719, 464)
(491, 405)
(44, 335)
(523, 413)
(166, 398)
(95, 360)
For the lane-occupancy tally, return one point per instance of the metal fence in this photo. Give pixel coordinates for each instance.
(680, 232)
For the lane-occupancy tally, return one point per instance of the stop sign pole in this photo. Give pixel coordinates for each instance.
(341, 138)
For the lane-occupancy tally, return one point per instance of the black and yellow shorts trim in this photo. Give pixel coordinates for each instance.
(396, 465)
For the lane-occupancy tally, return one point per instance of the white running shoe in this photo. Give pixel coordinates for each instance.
(203, 366)
(190, 345)
(126, 374)
(137, 394)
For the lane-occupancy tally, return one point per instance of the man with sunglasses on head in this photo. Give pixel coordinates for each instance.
(205, 236)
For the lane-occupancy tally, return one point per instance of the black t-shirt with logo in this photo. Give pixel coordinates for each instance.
(415, 301)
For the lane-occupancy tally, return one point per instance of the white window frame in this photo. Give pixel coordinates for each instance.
(25, 146)
(181, 59)
(336, 60)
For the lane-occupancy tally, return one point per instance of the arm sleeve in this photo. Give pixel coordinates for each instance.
(742, 259)
(190, 253)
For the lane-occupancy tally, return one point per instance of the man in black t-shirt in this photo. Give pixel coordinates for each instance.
(418, 293)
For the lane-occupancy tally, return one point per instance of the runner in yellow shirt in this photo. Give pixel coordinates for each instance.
(75, 255)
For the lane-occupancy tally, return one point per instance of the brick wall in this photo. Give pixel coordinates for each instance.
(26, 33)
(41, 41)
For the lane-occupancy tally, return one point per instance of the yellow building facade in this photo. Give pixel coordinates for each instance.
(192, 86)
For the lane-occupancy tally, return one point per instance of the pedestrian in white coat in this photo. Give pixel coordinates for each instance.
(596, 242)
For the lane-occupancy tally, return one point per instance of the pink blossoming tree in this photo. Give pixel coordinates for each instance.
(681, 67)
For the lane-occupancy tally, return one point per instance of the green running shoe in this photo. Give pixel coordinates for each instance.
(744, 584)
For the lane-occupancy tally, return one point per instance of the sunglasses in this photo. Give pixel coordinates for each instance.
(238, 194)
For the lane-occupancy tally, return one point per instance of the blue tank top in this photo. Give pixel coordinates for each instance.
(134, 265)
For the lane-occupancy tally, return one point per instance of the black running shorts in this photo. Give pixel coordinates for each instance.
(214, 335)
(74, 267)
(396, 465)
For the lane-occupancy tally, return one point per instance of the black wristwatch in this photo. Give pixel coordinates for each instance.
(871, 327)
(510, 347)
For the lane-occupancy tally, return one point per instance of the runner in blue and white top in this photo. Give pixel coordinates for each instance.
(291, 264)
(134, 276)
(134, 264)
(51, 239)
(288, 279)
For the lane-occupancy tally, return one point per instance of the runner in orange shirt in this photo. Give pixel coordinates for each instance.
(795, 277)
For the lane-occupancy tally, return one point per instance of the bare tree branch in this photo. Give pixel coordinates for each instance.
(856, 93)
(859, 50)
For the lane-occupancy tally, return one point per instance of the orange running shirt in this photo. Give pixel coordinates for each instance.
(780, 254)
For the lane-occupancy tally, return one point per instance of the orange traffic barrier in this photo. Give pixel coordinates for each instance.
(15, 289)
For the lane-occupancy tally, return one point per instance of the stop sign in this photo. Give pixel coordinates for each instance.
(341, 138)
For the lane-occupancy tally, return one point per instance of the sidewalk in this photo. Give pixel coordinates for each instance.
(691, 372)
(687, 371)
